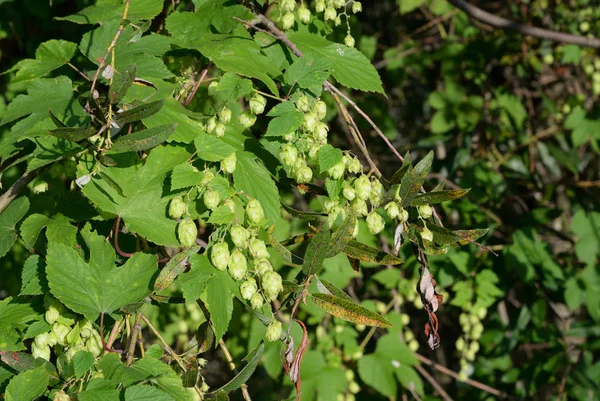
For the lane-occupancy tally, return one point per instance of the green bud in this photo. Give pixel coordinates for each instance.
(337, 21)
(338, 3)
(477, 331)
(413, 345)
(304, 14)
(320, 6)
(287, 5)
(425, 211)
(320, 133)
(247, 119)
(237, 265)
(272, 284)
(94, 345)
(470, 355)
(262, 266)
(177, 207)
(230, 204)
(211, 199)
(392, 210)
(288, 154)
(239, 236)
(211, 124)
(52, 340)
(349, 41)
(375, 222)
(354, 166)
(257, 301)
(41, 339)
(40, 351)
(481, 313)
(273, 331)
(187, 232)
(254, 211)
(460, 344)
(330, 14)
(377, 192)
(257, 104)
(426, 234)
(333, 215)
(303, 104)
(354, 387)
(219, 255)
(304, 175)
(228, 164)
(61, 396)
(61, 331)
(51, 315)
(248, 288)
(330, 204)
(359, 207)
(474, 347)
(310, 122)
(39, 186)
(336, 172)
(320, 109)
(356, 7)
(85, 328)
(258, 249)
(349, 192)
(363, 187)
(225, 115)
(207, 178)
(212, 88)
(220, 130)
(404, 216)
(405, 319)
(288, 21)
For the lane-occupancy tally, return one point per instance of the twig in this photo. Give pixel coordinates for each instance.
(471, 382)
(163, 342)
(79, 72)
(195, 89)
(122, 253)
(112, 45)
(133, 339)
(114, 332)
(15, 190)
(433, 382)
(503, 23)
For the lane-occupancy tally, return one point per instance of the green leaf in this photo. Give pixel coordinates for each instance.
(366, 253)
(173, 112)
(348, 310)
(82, 362)
(378, 372)
(431, 198)
(38, 103)
(406, 166)
(193, 282)
(184, 176)
(28, 385)
(307, 72)
(122, 81)
(254, 179)
(413, 180)
(287, 119)
(106, 9)
(142, 140)
(586, 227)
(242, 377)
(8, 223)
(571, 54)
(14, 318)
(143, 208)
(49, 56)
(219, 303)
(174, 267)
(221, 215)
(100, 394)
(407, 6)
(145, 393)
(349, 66)
(232, 86)
(138, 113)
(33, 278)
(442, 122)
(329, 157)
(583, 127)
(316, 251)
(327, 288)
(211, 148)
(97, 286)
(285, 253)
(342, 235)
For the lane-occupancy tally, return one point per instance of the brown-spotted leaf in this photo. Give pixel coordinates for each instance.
(122, 80)
(73, 134)
(468, 236)
(406, 166)
(174, 268)
(325, 287)
(316, 251)
(302, 214)
(342, 235)
(432, 198)
(366, 253)
(413, 180)
(143, 140)
(138, 113)
(349, 311)
(285, 253)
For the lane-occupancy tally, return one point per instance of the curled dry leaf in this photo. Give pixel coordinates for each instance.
(431, 300)
(291, 364)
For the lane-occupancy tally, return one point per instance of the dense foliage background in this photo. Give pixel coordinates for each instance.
(512, 117)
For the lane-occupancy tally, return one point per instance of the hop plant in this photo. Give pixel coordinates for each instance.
(273, 331)
(52, 315)
(177, 207)
(187, 232)
(356, 7)
(375, 222)
(304, 14)
(392, 209)
(247, 119)
(219, 130)
(254, 211)
(288, 20)
(225, 115)
(362, 185)
(238, 266)
(211, 199)
(228, 164)
(219, 256)
(257, 104)
(239, 236)
(257, 301)
(425, 211)
(349, 41)
(262, 266)
(426, 234)
(272, 284)
(258, 249)
(248, 288)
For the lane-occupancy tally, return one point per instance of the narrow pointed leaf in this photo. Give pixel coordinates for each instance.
(121, 82)
(72, 134)
(431, 198)
(468, 236)
(349, 311)
(253, 358)
(406, 166)
(342, 235)
(143, 140)
(174, 268)
(325, 287)
(413, 179)
(285, 253)
(139, 113)
(316, 252)
(366, 253)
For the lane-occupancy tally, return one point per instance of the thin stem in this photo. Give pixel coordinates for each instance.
(433, 382)
(196, 86)
(269, 95)
(117, 228)
(231, 364)
(79, 72)
(163, 342)
(15, 189)
(133, 339)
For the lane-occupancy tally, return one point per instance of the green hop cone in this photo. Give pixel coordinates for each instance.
(239, 236)
(320, 6)
(61, 331)
(426, 234)
(52, 314)
(392, 209)
(237, 265)
(207, 178)
(248, 288)
(375, 222)
(187, 232)
(288, 154)
(212, 88)
(287, 5)
(310, 122)
(273, 331)
(257, 104)
(225, 115)
(349, 41)
(254, 211)
(403, 215)
(228, 164)
(272, 284)
(425, 211)
(330, 14)
(177, 207)
(86, 329)
(41, 339)
(211, 124)
(304, 174)
(257, 301)
(262, 266)
(356, 7)
(40, 351)
(61, 396)
(359, 207)
(247, 119)
(303, 104)
(320, 109)
(52, 339)
(304, 14)
(336, 172)
(353, 166)
(377, 192)
(349, 192)
(219, 255)
(230, 204)
(362, 185)
(333, 216)
(288, 21)
(320, 133)
(211, 199)
(39, 186)
(220, 130)
(258, 249)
